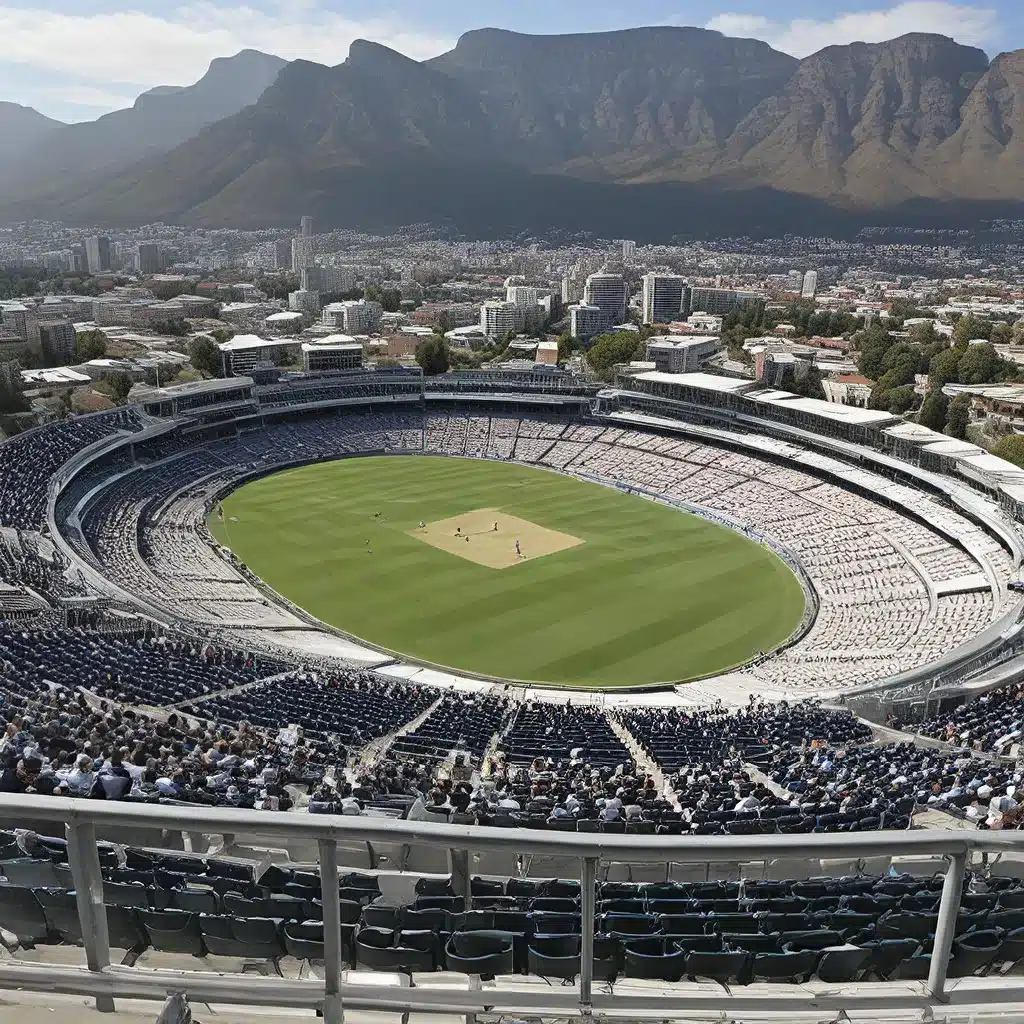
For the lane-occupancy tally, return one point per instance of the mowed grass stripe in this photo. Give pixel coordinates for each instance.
(651, 595)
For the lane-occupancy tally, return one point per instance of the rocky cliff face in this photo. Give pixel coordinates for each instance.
(864, 125)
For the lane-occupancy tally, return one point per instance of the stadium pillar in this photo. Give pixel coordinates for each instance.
(333, 1011)
(461, 878)
(92, 914)
(588, 882)
(945, 929)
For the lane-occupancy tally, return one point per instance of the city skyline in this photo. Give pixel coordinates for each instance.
(153, 45)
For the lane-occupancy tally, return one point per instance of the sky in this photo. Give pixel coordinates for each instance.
(77, 59)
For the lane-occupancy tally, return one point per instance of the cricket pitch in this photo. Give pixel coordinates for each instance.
(472, 536)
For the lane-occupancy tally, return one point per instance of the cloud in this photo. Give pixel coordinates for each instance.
(175, 47)
(974, 26)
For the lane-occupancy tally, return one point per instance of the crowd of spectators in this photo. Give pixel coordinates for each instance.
(992, 722)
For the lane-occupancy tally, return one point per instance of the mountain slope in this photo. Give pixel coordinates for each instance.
(526, 123)
(158, 121)
(21, 129)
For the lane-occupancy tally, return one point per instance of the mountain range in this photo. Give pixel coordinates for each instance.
(661, 130)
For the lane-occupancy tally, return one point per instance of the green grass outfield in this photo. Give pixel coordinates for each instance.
(653, 595)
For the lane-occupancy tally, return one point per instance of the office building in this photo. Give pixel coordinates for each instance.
(306, 227)
(608, 293)
(585, 321)
(304, 301)
(330, 279)
(59, 342)
(97, 254)
(353, 317)
(572, 290)
(810, 285)
(522, 295)
(499, 319)
(302, 253)
(665, 296)
(722, 301)
(333, 353)
(148, 258)
(628, 250)
(282, 254)
(681, 355)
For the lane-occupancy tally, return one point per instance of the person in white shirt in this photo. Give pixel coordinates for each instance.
(748, 803)
(79, 779)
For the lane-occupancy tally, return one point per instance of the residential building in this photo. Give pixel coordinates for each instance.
(97, 254)
(304, 301)
(608, 293)
(723, 301)
(628, 250)
(58, 341)
(499, 319)
(681, 355)
(149, 258)
(585, 321)
(302, 253)
(522, 295)
(330, 279)
(810, 285)
(353, 316)
(282, 254)
(794, 281)
(665, 297)
(335, 352)
(306, 227)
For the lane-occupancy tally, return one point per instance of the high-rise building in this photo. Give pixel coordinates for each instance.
(722, 301)
(585, 321)
(282, 254)
(795, 280)
(521, 295)
(303, 301)
(148, 258)
(810, 285)
(306, 227)
(59, 342)
(572, 289)
(608, 293)
(497, 319)
(97, 254)
(302, 253)
(664, 298)
(628, 250)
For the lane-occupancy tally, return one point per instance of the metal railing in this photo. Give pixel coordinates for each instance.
(105, 982)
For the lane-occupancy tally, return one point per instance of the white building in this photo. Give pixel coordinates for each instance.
(681, 355)
(795, 280)
(585, 321)
(628, 250)
(244, 351)
(664, 296)
(522, 295)
(498, 319)
(354, 316)
(304, 301)
(306, 227)
(608, 293)
(810, 285)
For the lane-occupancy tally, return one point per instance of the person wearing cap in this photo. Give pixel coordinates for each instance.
(80, 779)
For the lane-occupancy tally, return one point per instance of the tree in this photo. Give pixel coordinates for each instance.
(175, 326)
(567, 344)
(873, 344)
(390, 300)
(205, 357)
(979, 364)
(944, 369)
(968, 328)
(120, 384)
(433, 356)
(610, 349)
(222, 334)
(933, 411)
(91, 345)
(1011, 448)
(1002, 333)
(924, 334)
(958, 417)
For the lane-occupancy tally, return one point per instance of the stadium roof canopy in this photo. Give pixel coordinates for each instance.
(705, 381)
